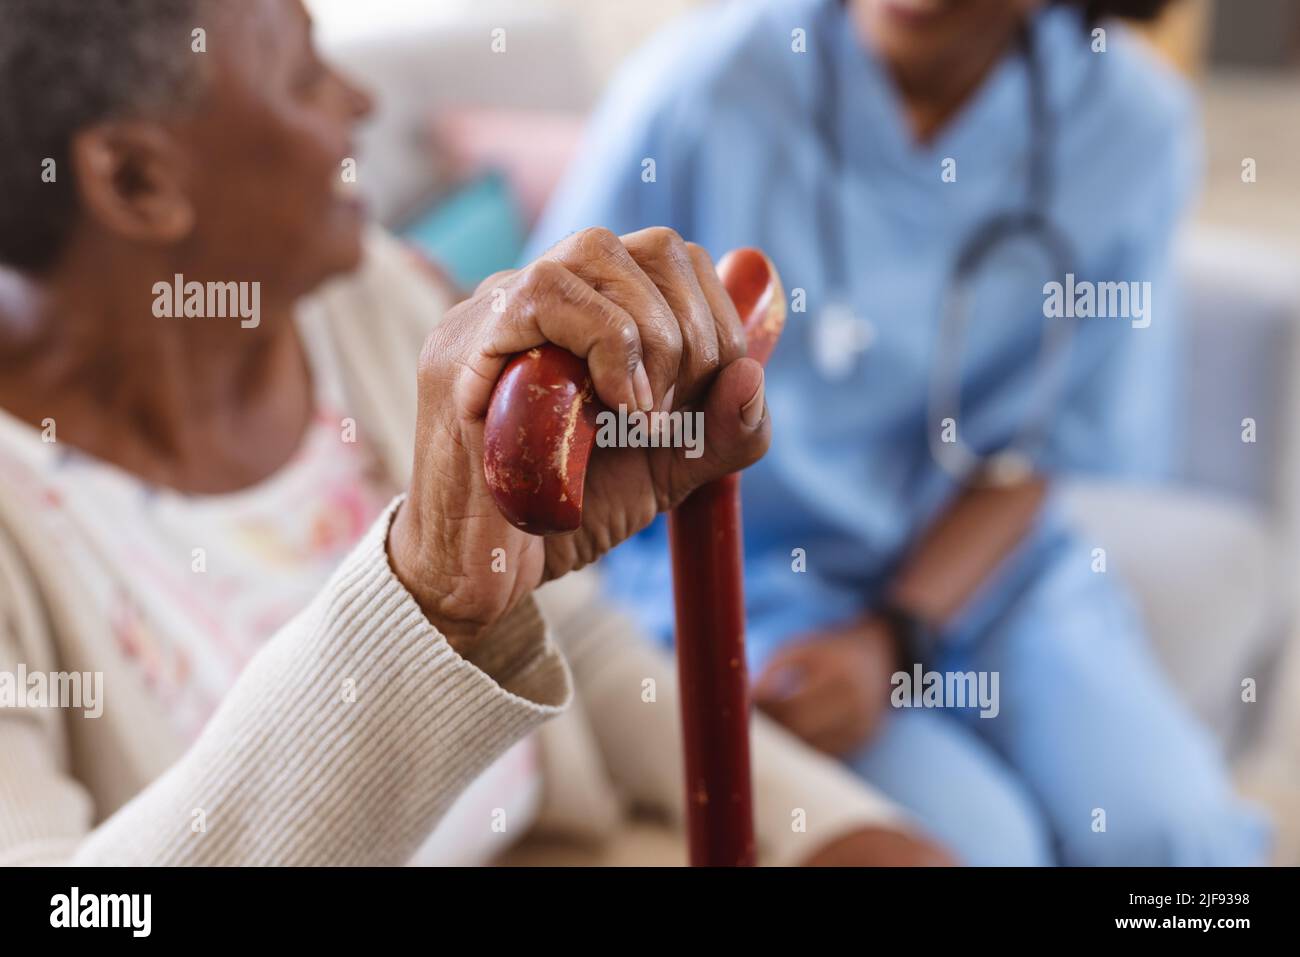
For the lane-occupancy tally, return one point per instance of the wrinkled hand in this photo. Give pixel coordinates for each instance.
(658, 331)
(832, 688)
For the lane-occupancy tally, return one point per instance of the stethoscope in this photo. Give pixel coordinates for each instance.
(1015, 460)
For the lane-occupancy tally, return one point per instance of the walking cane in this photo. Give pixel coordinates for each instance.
(535, 461)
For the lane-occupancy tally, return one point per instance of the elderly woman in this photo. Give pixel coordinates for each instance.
(268, 531)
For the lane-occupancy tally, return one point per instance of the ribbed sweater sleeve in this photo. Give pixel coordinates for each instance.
(342, 743)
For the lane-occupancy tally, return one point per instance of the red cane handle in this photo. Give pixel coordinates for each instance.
(541, 424)
(755, 288)
(541, 421)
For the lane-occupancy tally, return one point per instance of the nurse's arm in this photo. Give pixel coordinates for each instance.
(963, 548)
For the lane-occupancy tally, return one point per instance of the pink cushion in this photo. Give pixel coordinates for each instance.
(531, 148)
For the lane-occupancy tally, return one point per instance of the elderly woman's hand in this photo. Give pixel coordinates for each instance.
(657, 329)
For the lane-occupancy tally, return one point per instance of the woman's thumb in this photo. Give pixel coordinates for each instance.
(736, 428)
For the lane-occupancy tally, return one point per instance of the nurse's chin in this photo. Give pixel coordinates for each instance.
(913, 13)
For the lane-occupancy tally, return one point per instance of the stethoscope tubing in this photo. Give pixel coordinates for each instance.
(1031, 223)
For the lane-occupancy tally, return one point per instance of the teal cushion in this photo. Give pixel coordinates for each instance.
(474, 232)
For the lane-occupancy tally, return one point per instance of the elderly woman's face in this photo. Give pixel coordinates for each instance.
(269, 147)
(919, 36)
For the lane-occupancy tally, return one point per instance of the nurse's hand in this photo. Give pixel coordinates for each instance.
(832, 688)
(657, 329)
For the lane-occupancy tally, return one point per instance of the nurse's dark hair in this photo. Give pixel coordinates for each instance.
(66, 65)
(1094, 10)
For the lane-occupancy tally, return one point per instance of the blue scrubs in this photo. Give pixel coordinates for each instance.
(727, 110)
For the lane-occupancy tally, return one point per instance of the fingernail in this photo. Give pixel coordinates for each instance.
(645, 398)
(662, 427)
(751, 413)
(667, 404)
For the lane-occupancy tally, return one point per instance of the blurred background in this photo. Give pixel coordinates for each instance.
(481, 106)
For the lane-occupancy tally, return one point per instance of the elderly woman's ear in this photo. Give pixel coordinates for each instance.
(132, 182)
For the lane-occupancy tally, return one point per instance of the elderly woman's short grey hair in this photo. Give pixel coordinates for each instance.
(65, 65)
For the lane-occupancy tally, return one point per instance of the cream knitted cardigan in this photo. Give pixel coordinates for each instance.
(291, 771)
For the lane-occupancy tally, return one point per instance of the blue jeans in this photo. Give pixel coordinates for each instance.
(1088, 725)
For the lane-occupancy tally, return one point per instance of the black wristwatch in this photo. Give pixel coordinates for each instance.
(916, 639)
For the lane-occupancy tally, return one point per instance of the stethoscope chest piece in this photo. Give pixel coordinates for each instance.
(838, 336)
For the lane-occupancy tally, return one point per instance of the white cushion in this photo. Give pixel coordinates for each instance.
(1213, 582)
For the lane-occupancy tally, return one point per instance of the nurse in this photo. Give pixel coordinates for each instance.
(922, 172)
